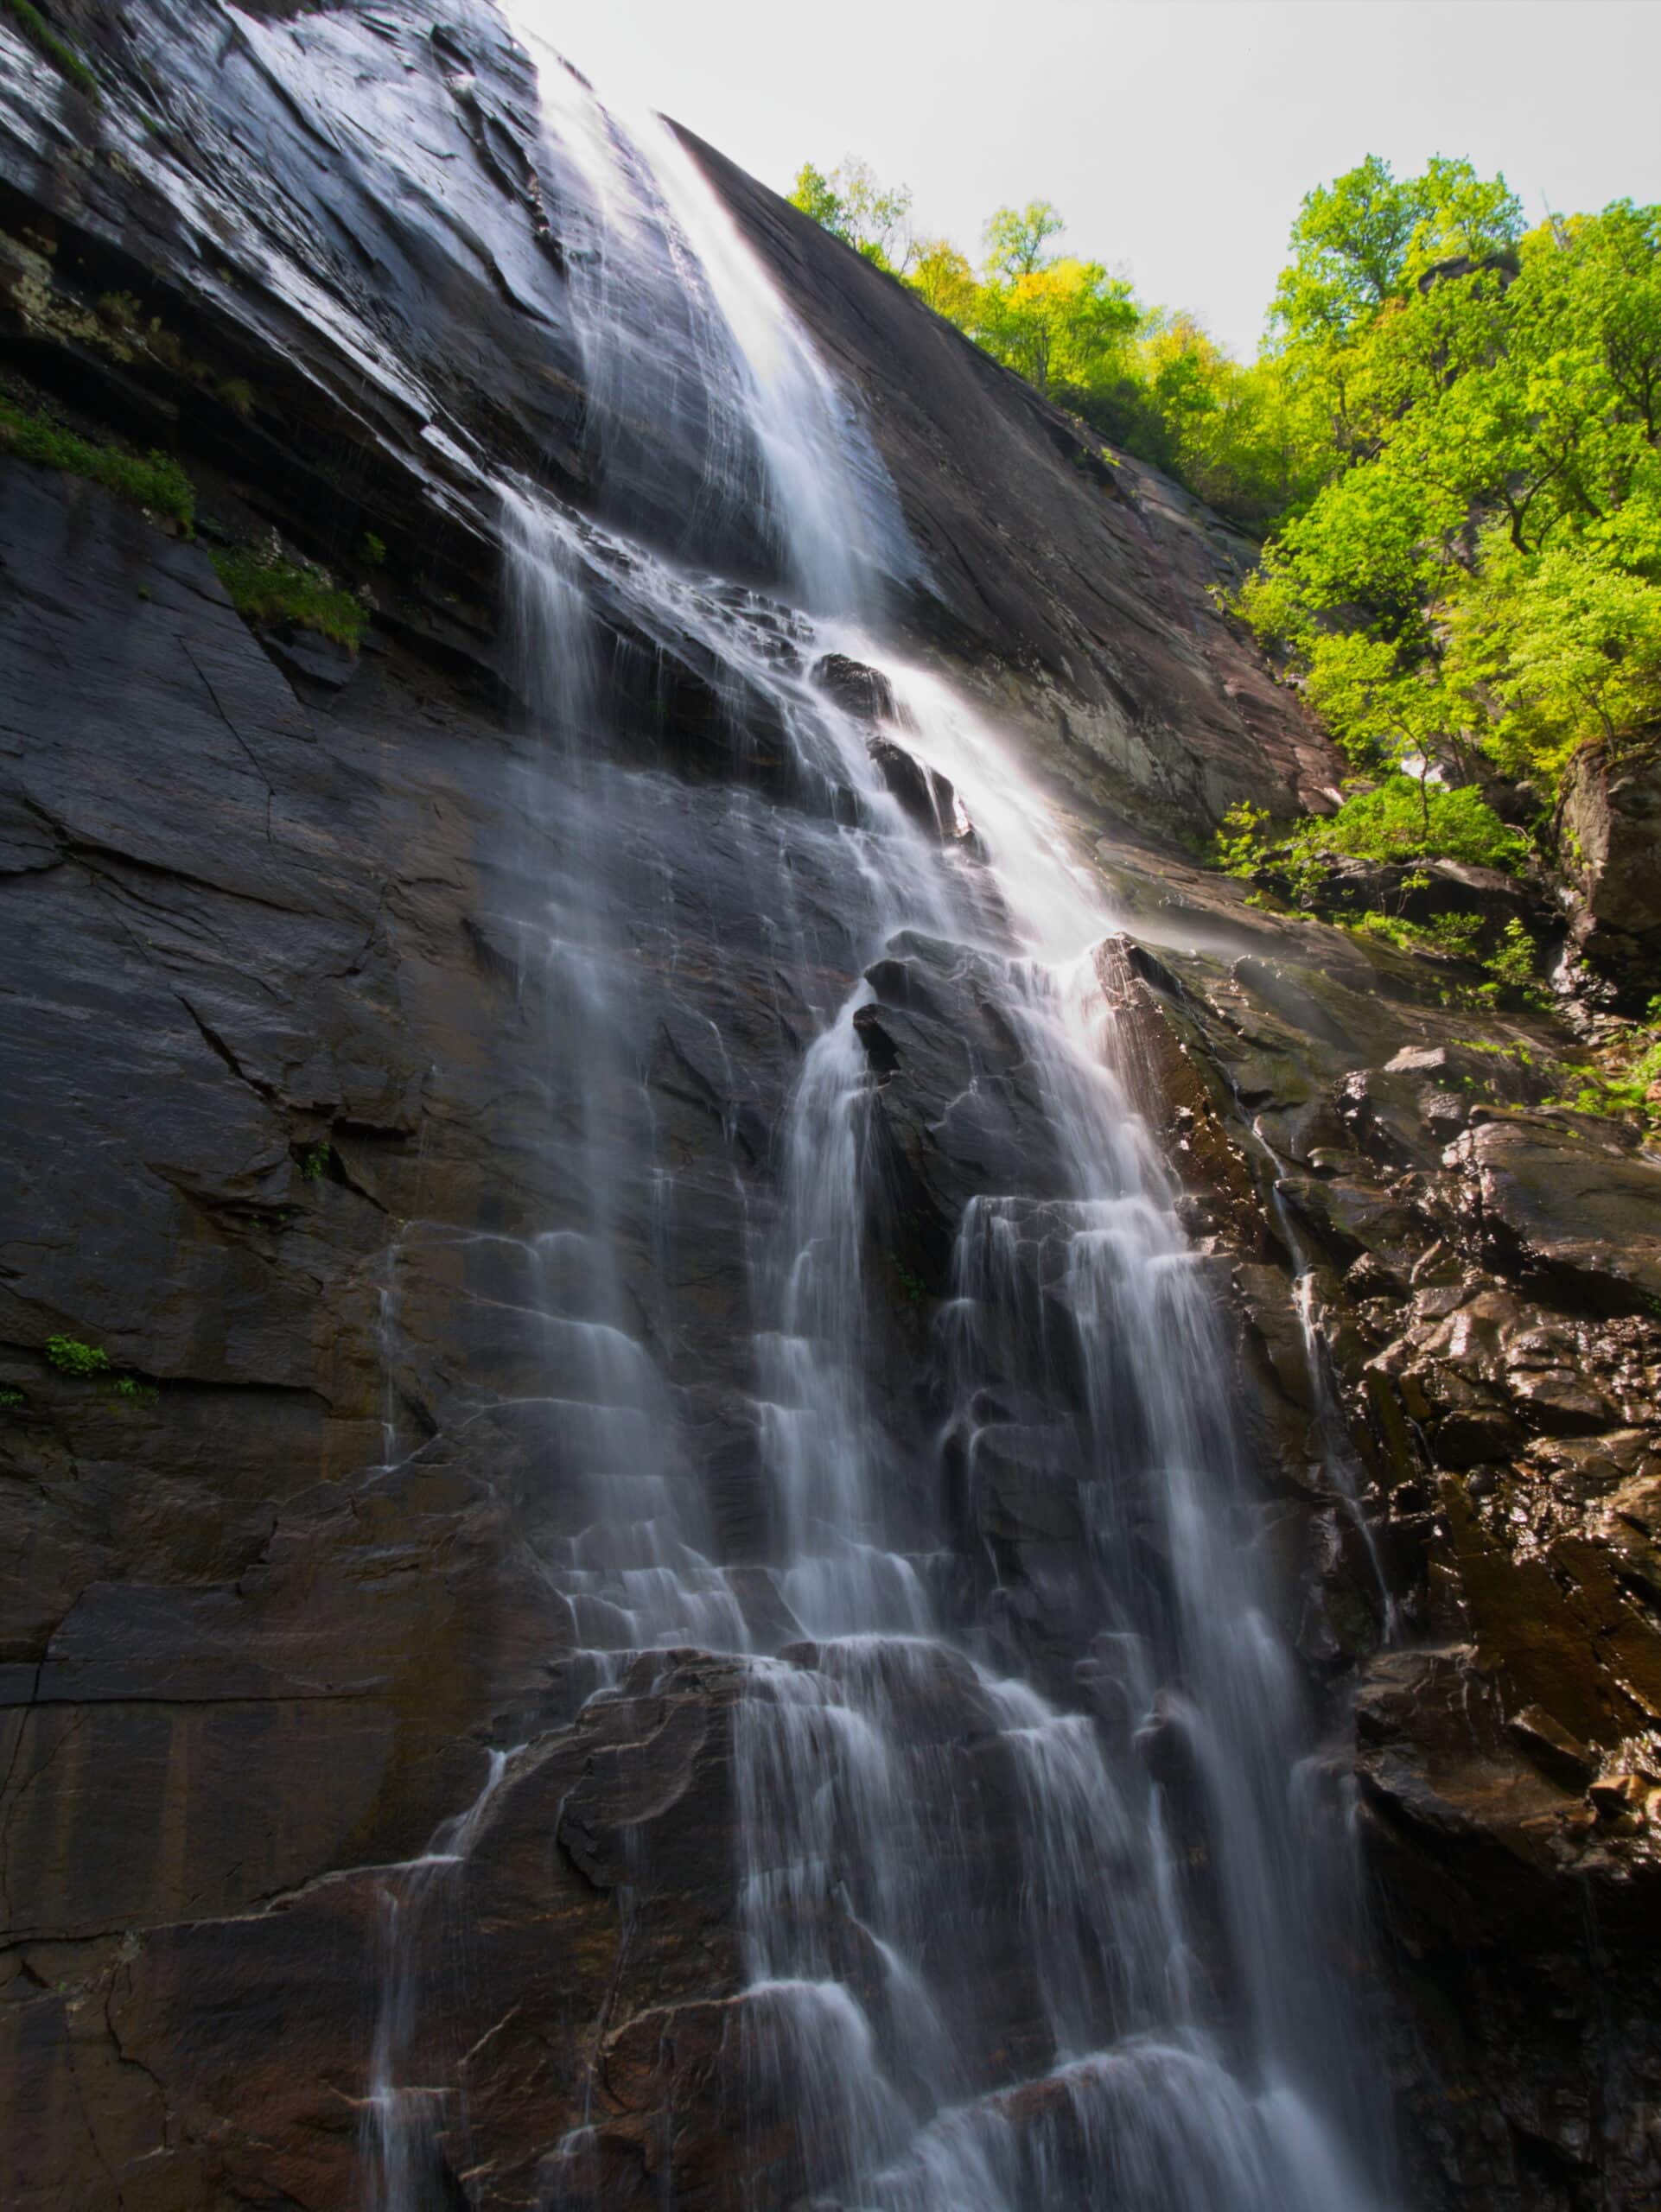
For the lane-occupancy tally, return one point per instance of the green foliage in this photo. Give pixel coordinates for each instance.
(315, 1160)
(153, 482)
(873, 218)
(1062, 326)
(1567, 647)
(1239, 845)
(1015, 239)
(374, 550)
(1625, 1084)
(45, 41)
(1451, 441)
(1619, 1097)
(1478, 568)
(1154, 382)
(1510, 971)
(1516, 961)
(1361, 242)
(70, 1357)
(1403, 818)
(913, 1288)
(264, 588)
(10, 1395)
(1454, 937)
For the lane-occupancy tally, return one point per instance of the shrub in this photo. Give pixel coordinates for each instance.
(10, 1395)
(1515, 962)
(264, 588)
(1402, 819)
(1239, 846)
(70, 1357)
(1621, 1088)
(154, 482)
(1456, 936)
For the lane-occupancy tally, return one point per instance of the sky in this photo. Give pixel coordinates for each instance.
(1177, 136)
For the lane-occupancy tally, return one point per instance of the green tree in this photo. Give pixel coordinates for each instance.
(815, 194)
(1476, 567)
(873, 218)
(1015, 239)
(942, 277)
(1059, 326)
(1360, 241)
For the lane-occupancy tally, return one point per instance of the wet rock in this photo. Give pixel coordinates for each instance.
(1569, 1197)
(927, 798)
(1166, 1079)
(859, 690)
(282, 1131)
(957, 1112)
(1551, 1748)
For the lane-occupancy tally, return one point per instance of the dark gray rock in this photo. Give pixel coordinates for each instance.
(282, 1121)
(1609, 828)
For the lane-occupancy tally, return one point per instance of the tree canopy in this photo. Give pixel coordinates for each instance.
(1450, 444)
(872, 218)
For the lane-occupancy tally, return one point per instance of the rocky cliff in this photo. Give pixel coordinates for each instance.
(275, 1594)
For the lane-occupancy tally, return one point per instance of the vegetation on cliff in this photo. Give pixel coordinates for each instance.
(1450, 444)
(58, 51)
(265, 588)
(154, 482)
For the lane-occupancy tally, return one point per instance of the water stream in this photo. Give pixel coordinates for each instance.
(1040, 1893)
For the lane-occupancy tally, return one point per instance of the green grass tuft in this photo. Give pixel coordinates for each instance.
(45, 41)
(152, 481)
(264, 589)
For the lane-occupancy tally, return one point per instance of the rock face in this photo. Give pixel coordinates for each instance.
(299, 1778)
(1610, 825)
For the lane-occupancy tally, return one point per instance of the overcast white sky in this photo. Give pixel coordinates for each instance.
(1176, 135)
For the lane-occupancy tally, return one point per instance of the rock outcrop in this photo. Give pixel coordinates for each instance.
(1609, 828)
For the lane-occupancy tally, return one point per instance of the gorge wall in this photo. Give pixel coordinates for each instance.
(282, 1077)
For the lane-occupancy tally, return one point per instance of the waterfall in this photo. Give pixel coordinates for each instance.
(1144, 2012)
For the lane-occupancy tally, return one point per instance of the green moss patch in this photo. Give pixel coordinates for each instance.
(45, 41)
(264, 588)
(150, 481)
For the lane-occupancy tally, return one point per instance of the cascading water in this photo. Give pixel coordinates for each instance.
(1023, 1926)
